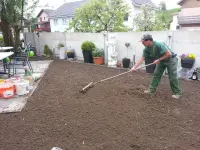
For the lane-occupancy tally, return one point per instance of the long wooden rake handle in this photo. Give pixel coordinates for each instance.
(93, 83)
(123, 73)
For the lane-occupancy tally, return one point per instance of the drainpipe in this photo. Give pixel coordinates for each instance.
(105, 47)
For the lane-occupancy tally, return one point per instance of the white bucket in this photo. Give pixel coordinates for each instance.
(22, 87)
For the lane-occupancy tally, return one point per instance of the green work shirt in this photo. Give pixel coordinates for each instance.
(157, 50)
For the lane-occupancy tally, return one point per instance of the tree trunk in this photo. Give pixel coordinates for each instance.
(17, 36)
(7, 33)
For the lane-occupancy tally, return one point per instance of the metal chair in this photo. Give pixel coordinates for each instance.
(20, 60)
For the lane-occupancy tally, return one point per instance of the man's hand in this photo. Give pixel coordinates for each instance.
(156, 61)
(134, 69)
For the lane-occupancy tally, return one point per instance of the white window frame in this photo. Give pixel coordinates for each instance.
(55, 21)
(65, 21)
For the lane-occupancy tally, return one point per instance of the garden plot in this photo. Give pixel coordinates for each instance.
(110, 116)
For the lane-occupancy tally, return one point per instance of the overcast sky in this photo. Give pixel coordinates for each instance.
(56, 3)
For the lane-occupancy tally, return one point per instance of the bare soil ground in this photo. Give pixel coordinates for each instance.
(114, 115)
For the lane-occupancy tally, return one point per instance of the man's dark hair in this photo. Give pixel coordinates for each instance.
(147, 37)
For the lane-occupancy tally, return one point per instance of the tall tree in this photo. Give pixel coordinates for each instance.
(100, 15)
(12, 17)
(163, 6)
(145, 21)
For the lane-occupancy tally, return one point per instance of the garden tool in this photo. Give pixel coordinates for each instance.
(90, 85)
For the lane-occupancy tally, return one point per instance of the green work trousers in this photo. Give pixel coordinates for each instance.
(171, 66)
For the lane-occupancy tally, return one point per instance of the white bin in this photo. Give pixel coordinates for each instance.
(22, 87)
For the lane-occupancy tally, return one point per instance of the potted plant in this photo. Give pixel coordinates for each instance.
(47, 51)
(126, 61)
(98, 56)
(61, 48)
(87, 48)
(70, 53)
(187, 60)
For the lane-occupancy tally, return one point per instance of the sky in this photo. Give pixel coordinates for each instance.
(56, 3)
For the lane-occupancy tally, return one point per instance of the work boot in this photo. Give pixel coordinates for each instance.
(176, 96)
(147, 91)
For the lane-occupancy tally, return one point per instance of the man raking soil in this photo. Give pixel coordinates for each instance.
(165, 58)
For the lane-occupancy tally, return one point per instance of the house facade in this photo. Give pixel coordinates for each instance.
(43, 21)
(174, 24)
(189, 17)
(60, 18)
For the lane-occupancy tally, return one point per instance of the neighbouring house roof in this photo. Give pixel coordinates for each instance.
(141, 2)
(189, 16)
(67, 9)
(47, 11)
(188, 19)
(180, 2)
(190, 11)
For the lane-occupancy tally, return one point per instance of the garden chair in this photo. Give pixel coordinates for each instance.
(20, 60)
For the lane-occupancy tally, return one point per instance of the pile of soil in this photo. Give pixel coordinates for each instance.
(115, 115)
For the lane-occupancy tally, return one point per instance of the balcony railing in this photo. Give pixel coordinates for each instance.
(43, 29)
(188, 19)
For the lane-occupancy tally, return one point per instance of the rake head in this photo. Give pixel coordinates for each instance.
(86, 88)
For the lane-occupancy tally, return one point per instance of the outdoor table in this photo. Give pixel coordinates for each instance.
(5, 48)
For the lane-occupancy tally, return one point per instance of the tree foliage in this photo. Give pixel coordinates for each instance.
(163, 6)
(151, 19)
(12, 15)
(145, 21)
(100, 15)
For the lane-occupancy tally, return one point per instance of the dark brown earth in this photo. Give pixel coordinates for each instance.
(114, 115)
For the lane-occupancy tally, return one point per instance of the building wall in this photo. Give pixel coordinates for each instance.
(43, 17)
(60, 25)
(191, 4)
(174, 23)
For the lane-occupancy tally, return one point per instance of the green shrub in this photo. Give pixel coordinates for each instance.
(47, 51)
(98, 52)
(1, 41)
(1, 38)
(88, 46)
(60, 45)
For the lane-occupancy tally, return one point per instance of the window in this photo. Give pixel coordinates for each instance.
(55, 21)
(65, 21)
(126, 17)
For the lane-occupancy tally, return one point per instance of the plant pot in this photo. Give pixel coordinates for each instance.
(150, 69)
(87, 55)
(187, 63)
(98, 60)
(126, 62)
(70, 54)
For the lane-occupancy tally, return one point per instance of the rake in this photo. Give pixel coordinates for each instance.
(91, 84)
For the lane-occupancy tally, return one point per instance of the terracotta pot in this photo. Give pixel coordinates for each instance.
(98, 60)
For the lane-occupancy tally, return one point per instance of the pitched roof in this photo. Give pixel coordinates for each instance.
(141, 2)
(47, 11)
(67, 9)
(179, 2)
